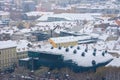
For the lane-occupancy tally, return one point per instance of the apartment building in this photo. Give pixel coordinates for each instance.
(8, 56)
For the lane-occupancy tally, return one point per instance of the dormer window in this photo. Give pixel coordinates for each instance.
(95, 50)
(71, 46)
(103, 54)
(83, 54)
(86, 50)
(59, 47)
(93, 62)
(94, 53)
(78, 48)
(75, 51)
(105, 51)
(51, 47)
(67, 49)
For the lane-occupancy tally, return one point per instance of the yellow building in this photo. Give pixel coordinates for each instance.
(63, 41)
(8, 56)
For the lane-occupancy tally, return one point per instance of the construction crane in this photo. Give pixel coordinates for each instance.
(51, 31)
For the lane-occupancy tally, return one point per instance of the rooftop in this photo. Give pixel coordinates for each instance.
(4, 13)
(20, 45)
(70, 16)
(77, 57)
(7, 44)
(64, 39)
(71, 38)
(38, 13)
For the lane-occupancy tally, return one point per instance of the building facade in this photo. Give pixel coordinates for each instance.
(70, 41)
(11, 52)
(53, 61)
(21, 55)
(63, 41)
(39, 36)
(8, 57)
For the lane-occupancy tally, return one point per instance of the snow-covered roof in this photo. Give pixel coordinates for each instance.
(109, 45)
(64, 39)
(69, 39)
(94, 35)
(85, 61)
(25, 30)
(38, 13)
(61, 23)
(7, 44)
(75, 33)
(103, 37)
(98, 6)
(51, 25)
(114, 51)
(8, 30)
(69, 16)
(83, 37)
(29, 1)
(4, 13)
(20, 45)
